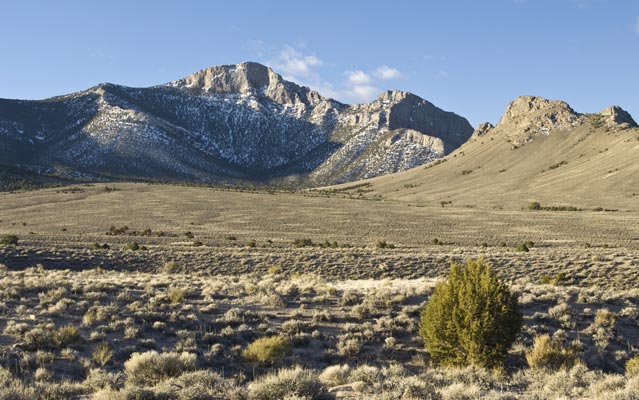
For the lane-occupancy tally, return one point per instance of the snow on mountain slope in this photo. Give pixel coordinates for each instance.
(224, 124)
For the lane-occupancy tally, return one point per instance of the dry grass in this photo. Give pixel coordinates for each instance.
(84, 321)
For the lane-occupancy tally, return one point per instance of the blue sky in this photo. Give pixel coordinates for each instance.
(467, 56)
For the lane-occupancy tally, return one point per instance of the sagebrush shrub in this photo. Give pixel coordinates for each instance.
(102, 354)
(151, 367)
(267, 350)
(9, 240)
(66, 336)
(472, 318)
(335, 375)
(632, 366)
(297, 383)
(549, 353)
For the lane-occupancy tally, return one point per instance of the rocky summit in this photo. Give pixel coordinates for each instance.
(225, 124)
(529, 116)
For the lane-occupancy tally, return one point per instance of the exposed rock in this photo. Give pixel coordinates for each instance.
(395, 109)
(528, 116)
(616, 116)
(482, 130)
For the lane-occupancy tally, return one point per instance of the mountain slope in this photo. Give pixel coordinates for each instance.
(541, 151)
(232, 123)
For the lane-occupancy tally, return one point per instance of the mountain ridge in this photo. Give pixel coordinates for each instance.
(540, 151)
(222, 124)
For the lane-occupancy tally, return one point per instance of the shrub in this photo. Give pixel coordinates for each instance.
(605, 318)
(100, 379)
(267, 350)
(302, 242)
(13, 389)
(151, 368)
(274, 269)
(557, 280)
(297, 383)
(632, 366)
(535, 205)
(67, 336)
(9, 240)
(335, 375)
(472, 318)
(171, 267)
(382, 244)
(102, 354)
(198, 385)
(549, 353)
(133, 246)
(176, 295)
(522, 247)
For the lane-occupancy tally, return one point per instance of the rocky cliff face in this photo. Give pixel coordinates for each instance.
(225, 124)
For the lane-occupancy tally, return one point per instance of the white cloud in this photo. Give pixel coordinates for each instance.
(362, 93)
(386, 72)
(298, 64)
(293, 62)
(358, 77)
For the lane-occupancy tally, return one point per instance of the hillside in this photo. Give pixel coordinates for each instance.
(226, 124)
(540, 151)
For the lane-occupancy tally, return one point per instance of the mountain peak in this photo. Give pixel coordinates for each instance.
(247, 78)
(530, 115)
(615, 115)
(233, 78)
(533, 109)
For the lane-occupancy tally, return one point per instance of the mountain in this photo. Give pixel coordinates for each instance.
(226, 124)
(541, 150)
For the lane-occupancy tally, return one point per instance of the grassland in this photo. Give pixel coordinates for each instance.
(216, 270)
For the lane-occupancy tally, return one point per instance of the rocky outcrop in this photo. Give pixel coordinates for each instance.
(482, 130)
(248, 78)
(527, 116)
(395, 109)
(615, 116)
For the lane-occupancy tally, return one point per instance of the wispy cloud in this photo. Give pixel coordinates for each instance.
(361, 93)
(385, 72)
(362, 86)
(299, 64)
(358, 77)
(293, 62)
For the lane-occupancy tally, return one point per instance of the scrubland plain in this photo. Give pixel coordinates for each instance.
(125, 291)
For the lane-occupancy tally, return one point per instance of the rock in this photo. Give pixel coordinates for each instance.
(616, 116)
(396, 109)
(528, 116)
(482, 130)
